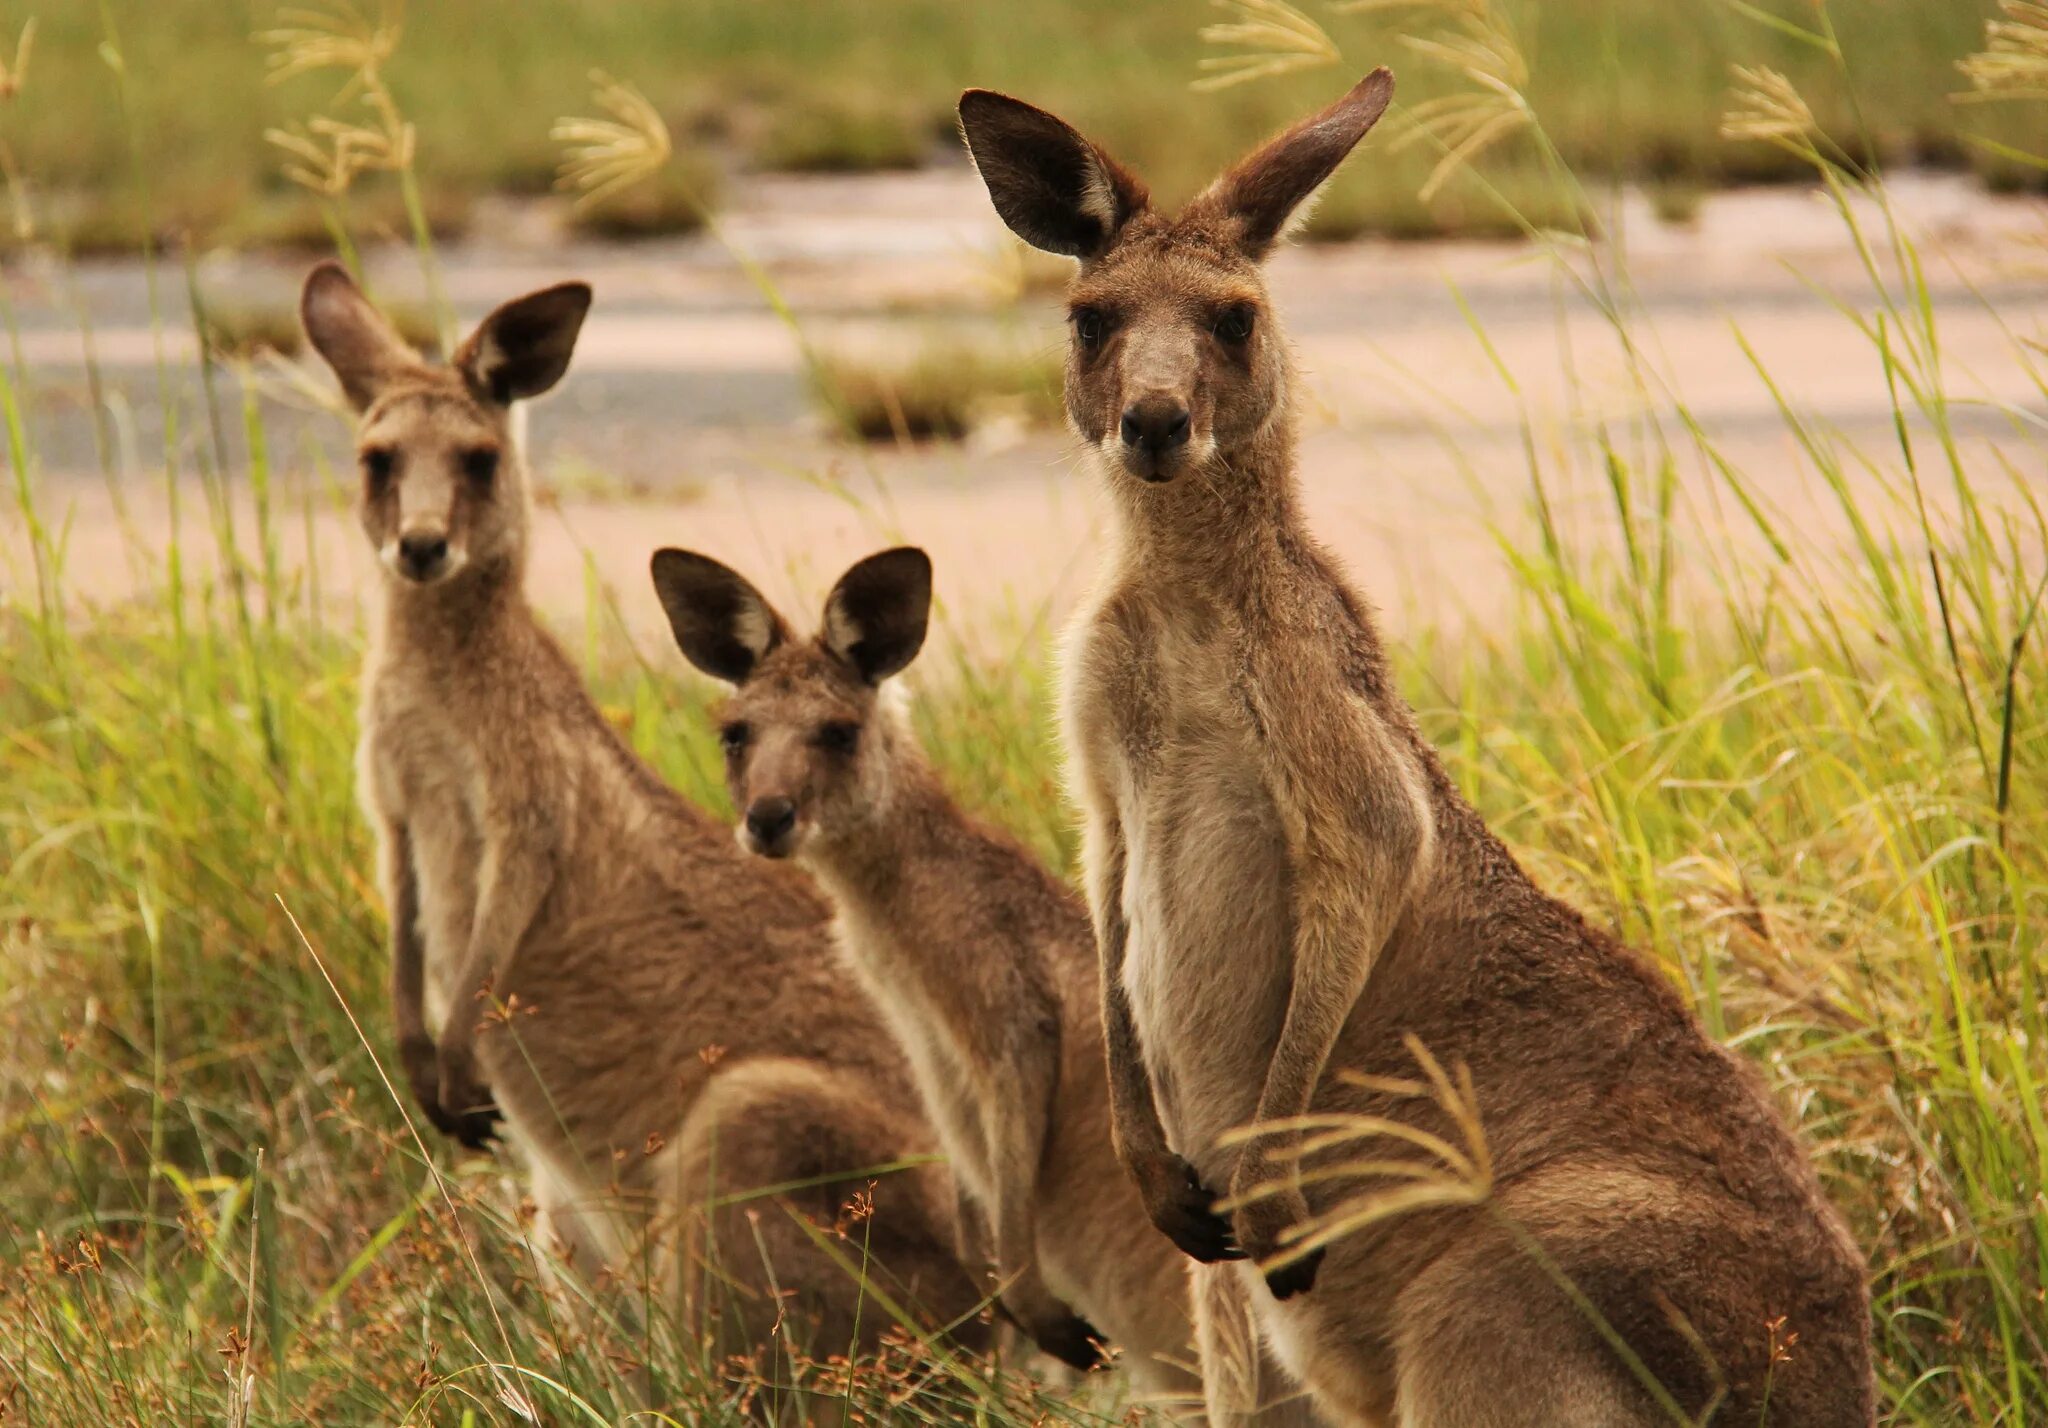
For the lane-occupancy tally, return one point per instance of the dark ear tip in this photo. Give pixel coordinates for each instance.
(326, 273)
(906, 559)
(670, 563)
(979, 105)
(1377, 87)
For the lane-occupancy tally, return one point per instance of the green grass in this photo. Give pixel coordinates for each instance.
(1624, 88)
(943, 389)
(808, 133)
(1816, 794)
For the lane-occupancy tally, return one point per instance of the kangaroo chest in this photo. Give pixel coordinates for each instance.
(1206, 887)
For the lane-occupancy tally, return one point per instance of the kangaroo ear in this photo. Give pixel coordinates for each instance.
(1056, 190)
(723, 624)
(523, 348)
(1266, 189)
(875, 617)
(351, 336)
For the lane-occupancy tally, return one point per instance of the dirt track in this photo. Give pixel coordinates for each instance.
(685, 418)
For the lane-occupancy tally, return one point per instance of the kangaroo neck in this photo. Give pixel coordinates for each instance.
(911, 825)
(441, 623)
(1214, 531)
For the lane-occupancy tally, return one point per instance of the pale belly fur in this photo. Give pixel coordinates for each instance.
(1208, 967)
(445, 861)
(420, 777)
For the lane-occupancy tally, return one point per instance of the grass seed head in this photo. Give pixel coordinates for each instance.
(2014, 61)
(1271, 38)
(603, 157)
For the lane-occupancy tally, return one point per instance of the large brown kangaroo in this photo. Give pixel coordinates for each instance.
(1289, 894)
(575, 948)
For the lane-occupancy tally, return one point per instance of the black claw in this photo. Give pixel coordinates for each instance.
(1074, 1342)
(1296, 1278)
(475, 1127)
(1191, 1222)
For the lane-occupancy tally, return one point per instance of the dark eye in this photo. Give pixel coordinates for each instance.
(1234, 325)
(480, 464)
(839, 737)
(733, 738)
(1090, 327)
(378, 464)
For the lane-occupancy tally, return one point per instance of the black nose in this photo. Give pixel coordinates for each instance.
(422, 554)
(1155, 423)
(770, 819)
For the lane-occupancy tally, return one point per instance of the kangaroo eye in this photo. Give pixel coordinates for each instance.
(1234, 325)
(733, 738)
(1090, 327)
(839, 737)
(378, 464)
(480, 464)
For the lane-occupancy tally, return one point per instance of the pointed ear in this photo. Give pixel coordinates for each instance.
(523, 348)
(876, 615)
(723, 624)
(1056, 190)
(351, 336)
(1265, 190)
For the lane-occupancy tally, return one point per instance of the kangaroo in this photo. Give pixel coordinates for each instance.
(575, 951)
(983, 963)
(1289, 895)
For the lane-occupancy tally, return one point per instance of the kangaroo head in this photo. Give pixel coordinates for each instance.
(1176, 363)
(809, 750)
(442, 486)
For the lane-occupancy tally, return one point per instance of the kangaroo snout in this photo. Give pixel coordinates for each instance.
(1154, 430)
(771, 827)
(423, 555)
(1156, 423)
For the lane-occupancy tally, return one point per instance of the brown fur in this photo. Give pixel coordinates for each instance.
(1286, 885)
(982, 962)
(573, 946)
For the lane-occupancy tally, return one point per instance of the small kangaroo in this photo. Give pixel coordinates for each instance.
(1286, 888)
(983, 963)
(573, 947)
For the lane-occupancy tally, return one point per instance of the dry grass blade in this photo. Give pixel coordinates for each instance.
(1453, 1174)
(1478, 43)
(333, 36)
(326, 154)
(1272, 38)
(1457, 9)
(2014, 61)
(603, 157)
(12, 75)
(1767, 108)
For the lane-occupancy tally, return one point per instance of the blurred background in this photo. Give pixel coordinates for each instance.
(804, 295)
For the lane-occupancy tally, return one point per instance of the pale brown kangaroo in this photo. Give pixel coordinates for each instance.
(983, 964)
(655, 1016)
(1286, 887)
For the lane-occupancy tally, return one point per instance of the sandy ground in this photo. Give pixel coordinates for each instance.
(685, 418)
